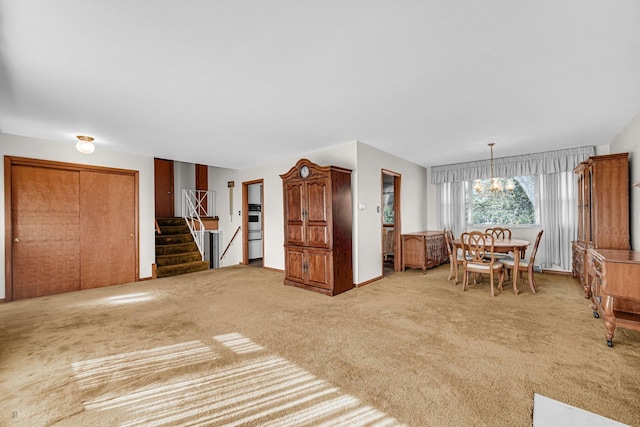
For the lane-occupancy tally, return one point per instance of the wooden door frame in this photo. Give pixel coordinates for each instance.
(10, 161)
(245, 218)
(397, 253)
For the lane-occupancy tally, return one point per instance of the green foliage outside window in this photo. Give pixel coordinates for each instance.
(511, 207)
(387, 211)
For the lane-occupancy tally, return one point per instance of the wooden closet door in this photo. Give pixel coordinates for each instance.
(45, 231)
(107, 229)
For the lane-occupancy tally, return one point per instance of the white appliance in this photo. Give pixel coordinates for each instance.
(254, 229)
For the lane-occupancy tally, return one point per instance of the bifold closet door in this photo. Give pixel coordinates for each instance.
(45, 205)
(108, 239)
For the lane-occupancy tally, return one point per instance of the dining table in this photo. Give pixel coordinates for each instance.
(517, 246)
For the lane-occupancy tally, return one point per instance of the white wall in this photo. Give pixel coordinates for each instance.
(19, 146)
(413, 205)
(218, 179)
(629, 141)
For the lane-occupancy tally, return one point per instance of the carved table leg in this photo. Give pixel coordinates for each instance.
(609, 319)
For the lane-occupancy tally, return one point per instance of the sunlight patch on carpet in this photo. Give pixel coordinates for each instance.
(238, 343)
(120, 367)
(129, 298)
(259, 390)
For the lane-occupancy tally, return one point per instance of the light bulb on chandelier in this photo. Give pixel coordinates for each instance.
(495, 185)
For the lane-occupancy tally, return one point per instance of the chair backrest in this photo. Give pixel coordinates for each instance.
(499, 232)
(448, 240)
(477, 246)
(535, 247)
(387, 247)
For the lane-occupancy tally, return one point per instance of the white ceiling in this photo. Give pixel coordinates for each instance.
(238, 83)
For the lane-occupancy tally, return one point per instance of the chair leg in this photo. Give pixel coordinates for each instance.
(491, 278)
(532, 282)
(450, 270)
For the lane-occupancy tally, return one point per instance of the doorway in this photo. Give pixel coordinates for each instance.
(252, 223)
(391, 229)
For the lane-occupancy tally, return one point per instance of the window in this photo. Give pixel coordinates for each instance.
(517, 206)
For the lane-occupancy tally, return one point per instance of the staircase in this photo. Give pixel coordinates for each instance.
(176, 251)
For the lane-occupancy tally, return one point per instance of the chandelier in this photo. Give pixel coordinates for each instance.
(495, 186)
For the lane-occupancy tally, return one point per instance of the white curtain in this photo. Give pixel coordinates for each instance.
(558, 218)
(451, 215)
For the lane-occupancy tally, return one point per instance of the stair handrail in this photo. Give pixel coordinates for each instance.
(230, 242)
(190, 215)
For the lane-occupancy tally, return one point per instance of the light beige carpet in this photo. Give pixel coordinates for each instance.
(235, 346)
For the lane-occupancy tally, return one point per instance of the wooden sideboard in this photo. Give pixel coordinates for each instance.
(423, 250)
(615, 288)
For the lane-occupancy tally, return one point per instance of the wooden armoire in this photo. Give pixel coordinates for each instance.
(317, 227)
(603, 209)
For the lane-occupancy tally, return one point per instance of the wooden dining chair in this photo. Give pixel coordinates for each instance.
(478, 258)
(456, 257)
(524, 265)
(499, 233)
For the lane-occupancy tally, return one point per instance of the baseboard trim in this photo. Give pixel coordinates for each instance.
(375, 279)
(277, 270)
(144, 279)
(558, 272)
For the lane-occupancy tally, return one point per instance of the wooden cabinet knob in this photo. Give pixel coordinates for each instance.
(17, 240)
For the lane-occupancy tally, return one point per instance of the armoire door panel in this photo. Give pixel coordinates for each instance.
(45, 231)
(318, 235)
(317, 200)
(295, 265)
(294, 227)
(108, 235)
(318, 269)
(317, 224)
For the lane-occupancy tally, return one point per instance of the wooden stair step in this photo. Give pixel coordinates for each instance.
(185, 268)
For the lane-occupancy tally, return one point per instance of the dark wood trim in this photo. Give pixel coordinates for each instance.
(365, 283)
(24, 161)
(8, 232)
(9, 161)
(277, 270)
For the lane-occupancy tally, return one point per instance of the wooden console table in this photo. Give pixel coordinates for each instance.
(425, 249)
(615, 288)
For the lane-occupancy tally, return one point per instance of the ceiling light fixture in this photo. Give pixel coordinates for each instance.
(85, 144)
(495, 185)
